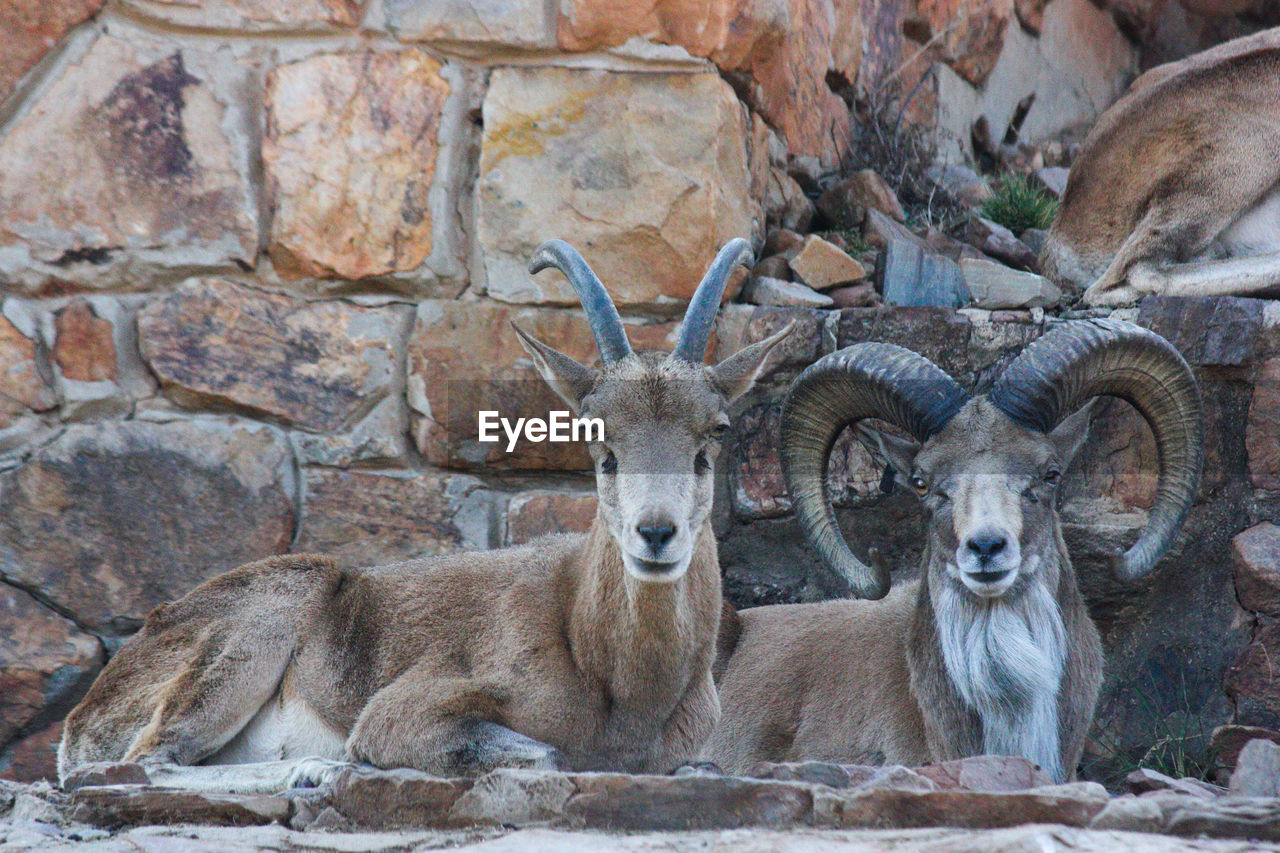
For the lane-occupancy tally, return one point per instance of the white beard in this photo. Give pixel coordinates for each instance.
(1006, 660)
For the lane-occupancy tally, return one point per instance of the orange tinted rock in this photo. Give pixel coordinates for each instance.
(21, 385)
(350, 156)
(31, 29)
(646, 174)
(970, 33)
(84, 348)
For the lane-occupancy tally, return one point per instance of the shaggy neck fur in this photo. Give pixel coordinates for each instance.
(645, 641)
(1005, 657)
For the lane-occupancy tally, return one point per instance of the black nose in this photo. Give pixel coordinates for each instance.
(986, 545)
(656, 535)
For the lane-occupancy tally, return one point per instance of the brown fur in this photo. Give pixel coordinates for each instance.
(452, 664)
(865, 681)
(1191, 148)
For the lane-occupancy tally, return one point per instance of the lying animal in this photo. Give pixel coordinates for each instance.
(992, 650)
(590, 652)
(1177, 188)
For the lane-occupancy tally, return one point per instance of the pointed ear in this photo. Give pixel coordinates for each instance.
(889, 449)
(569, 379)
(736, 374)
(1070, 435)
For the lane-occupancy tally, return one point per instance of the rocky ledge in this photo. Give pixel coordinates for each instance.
(988, 803)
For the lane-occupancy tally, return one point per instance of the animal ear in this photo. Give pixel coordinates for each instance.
(1070, 435)
(568, 378)
(889, 449)
(736, 374)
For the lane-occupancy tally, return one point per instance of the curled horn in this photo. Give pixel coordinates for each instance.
(1075, 362)
(701, 314)
(871, 380)
(603, 317)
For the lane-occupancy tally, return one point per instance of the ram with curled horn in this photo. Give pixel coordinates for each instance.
(992, 650)
(589, 652)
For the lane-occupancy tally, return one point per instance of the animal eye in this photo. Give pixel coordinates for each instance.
(609, 464)
(918, 483)
(701, 463)
(719, 431)
(1052, 475)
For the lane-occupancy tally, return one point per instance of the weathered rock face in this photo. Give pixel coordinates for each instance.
(970, 33)
(1256, 553)
(1254, 678)
(350, 156)
(46, 663)
(1076, 67)
(320, 365)
(253, 15)
(22, 386)
(1263, 436)
(448, 386)
(367, 519)
(84, 348)
(596, 156)
(522, 23)
(137, 160)
(112, 519)
(534, 514)
(32, 28)
(785, 48)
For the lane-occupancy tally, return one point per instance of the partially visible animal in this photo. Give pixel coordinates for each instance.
(589, 652)
(992, 650)
(1176, 190)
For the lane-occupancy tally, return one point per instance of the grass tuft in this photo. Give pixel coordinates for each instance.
(1017, 205)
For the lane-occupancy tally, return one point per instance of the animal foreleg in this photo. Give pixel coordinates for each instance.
(1229, 277)
(447, 727)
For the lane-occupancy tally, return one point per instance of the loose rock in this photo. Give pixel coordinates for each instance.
(822, 266)
(1000, 243)
(1256, 555)
(913, 275)
(996, 286)
(1053, 179)
(1257, 770)
(774, 291)
(846, 202)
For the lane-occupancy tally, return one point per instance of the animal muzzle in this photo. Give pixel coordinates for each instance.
(988, 559)
(658, 549)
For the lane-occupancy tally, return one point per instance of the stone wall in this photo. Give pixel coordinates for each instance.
(251, 250)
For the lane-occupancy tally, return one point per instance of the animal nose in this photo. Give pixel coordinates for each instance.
(656, 535)
(986, 545)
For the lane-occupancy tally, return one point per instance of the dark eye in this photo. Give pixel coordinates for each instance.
(701, 463)
(918, 483)
(1052, 475)
(720, 431)
(609, 464)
